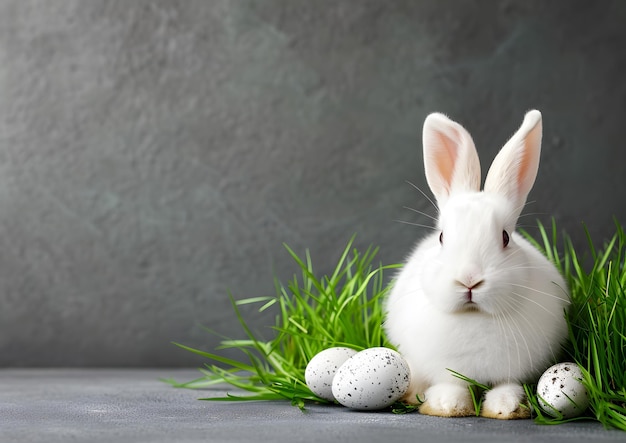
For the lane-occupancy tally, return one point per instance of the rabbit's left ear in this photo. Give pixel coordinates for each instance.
(513, 171)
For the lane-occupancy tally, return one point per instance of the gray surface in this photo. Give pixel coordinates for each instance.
(155, 154)
(50, 406)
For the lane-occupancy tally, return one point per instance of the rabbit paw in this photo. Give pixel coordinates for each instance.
(505, 402)
(447, 400)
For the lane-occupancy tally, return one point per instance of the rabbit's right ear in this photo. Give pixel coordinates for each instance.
(450, 159)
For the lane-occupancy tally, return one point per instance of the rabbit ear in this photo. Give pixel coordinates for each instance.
(514, 169)
(450, 159)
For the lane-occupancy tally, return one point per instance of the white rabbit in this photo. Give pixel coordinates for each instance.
(475, 297)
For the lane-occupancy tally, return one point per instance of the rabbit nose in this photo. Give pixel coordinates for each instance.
(470, 278)
(469, 296)
(470, 285)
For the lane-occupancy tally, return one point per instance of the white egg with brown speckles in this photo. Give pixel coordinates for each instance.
(322, 368)
(373, 379)
(561, 392)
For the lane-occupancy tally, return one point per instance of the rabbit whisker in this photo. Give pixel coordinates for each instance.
(502, 324)
(512, 320)
(416, 224)
(522, 266)
(420, 212)
(513, 254)
(535, 329)
(537, 291)
(534, 302)
(525, 204)
(424, 194)
(516, 331)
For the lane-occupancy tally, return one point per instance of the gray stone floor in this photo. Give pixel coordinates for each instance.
(132, 405)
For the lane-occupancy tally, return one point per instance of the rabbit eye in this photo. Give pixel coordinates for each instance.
(505, 239)
(441, 238)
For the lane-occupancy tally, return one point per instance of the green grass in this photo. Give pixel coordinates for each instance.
(314, 313)
(345, 309)
(597, 323)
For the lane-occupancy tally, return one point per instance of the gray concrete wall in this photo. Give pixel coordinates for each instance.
(155, 154)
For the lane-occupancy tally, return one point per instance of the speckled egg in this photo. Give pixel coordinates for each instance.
(561, 392)
(322, 368)
(373, 379)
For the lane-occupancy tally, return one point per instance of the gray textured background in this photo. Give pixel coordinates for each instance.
(155, 154)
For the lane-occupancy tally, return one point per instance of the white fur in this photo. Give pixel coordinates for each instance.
(515, 324)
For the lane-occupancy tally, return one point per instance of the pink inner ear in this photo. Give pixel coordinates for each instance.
(445, 156)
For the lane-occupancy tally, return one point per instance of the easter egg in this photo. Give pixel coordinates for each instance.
(321, 369)
(560, 391)
(372, 379)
